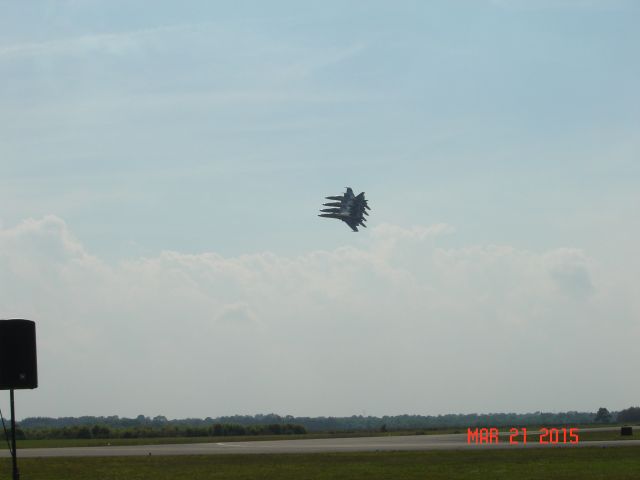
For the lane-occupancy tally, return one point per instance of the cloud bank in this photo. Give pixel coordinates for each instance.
(405, 324)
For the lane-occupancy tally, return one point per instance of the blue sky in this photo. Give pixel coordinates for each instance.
(136, 128)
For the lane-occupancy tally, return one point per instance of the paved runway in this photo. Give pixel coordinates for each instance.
(362, 444)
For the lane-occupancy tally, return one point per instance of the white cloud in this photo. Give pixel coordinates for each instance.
(115, 43)
(386, 230)
(236, 313)
(406, 324)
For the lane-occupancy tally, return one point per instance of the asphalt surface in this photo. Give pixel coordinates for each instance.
(362, 444)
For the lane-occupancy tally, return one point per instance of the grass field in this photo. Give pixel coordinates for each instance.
(561, 463)
(95, 442)
(585, 436)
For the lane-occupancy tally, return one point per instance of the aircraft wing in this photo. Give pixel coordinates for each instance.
(352, 222)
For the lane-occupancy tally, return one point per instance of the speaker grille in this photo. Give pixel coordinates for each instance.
(18, 360)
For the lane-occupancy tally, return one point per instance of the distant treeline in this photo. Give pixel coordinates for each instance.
(628, 415)
(149, 431)
(259, 424)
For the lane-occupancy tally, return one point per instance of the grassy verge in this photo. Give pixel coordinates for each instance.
(583, 436)
(587, 436)
(96, 442)
(563, 464)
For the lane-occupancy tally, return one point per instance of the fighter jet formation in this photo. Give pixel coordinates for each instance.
(348, 207)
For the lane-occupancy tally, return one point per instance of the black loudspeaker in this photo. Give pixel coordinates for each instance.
(18, 361)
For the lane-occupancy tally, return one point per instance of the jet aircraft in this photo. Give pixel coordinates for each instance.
(348, 207)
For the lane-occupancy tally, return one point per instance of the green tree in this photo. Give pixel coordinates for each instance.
(631, 414)
(83, 432)
(99, 431)
(603, 415)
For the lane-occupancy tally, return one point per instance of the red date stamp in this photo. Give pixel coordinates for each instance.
(546, 436)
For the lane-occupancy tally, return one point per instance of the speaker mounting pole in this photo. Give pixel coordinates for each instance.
(18, 368)
(14, 452)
